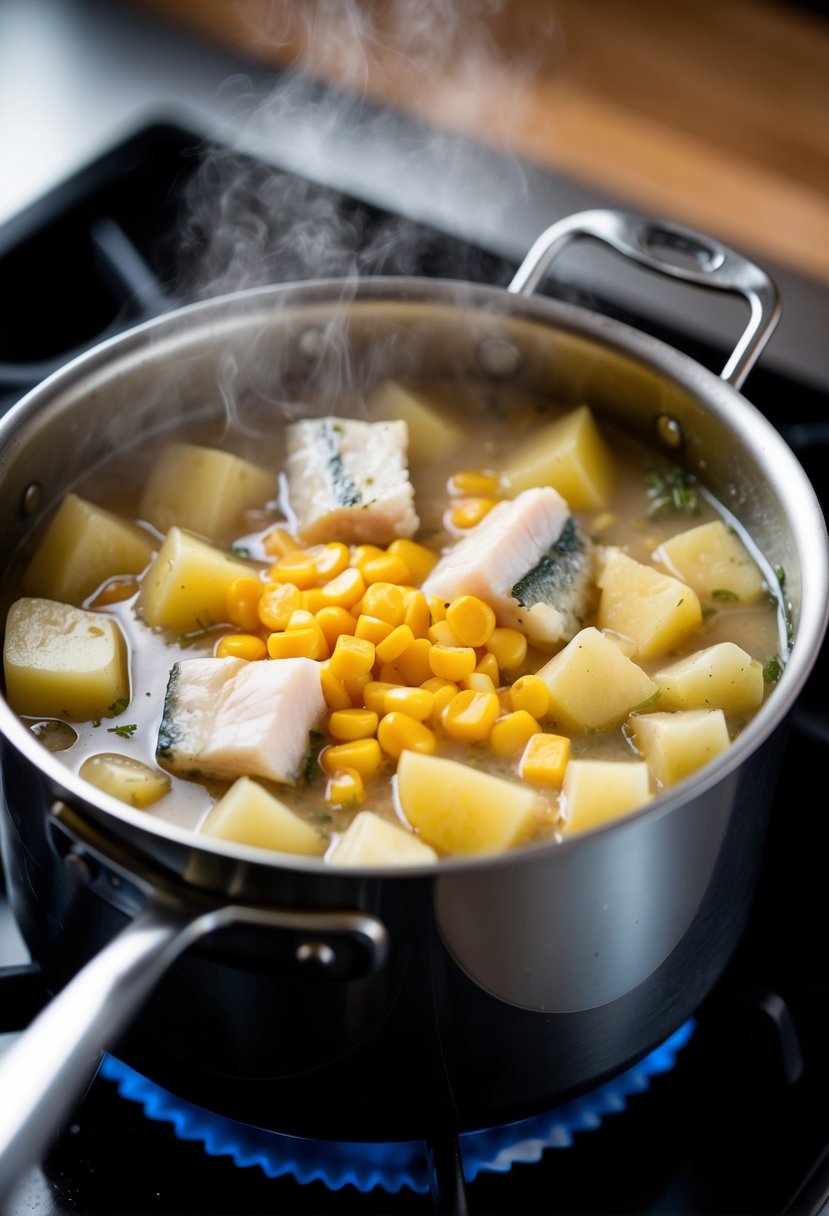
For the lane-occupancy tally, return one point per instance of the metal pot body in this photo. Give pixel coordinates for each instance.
(506, 984)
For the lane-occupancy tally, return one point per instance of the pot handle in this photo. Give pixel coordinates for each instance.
(677, 253)
(48, 1068)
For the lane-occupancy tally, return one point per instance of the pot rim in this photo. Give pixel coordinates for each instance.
(572, 318)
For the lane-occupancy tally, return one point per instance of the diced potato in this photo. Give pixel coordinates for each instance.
(597, 791)
(570, 455)
(126, 778)
(714, 561)
(204, 490)
(654, 610)
(677, 744)
(458, 809)
(63, 662)
(723, 676)
(592, 684)
(372, 841)
(186, 586)
(431, 432)
(249, 814)
(83, 546)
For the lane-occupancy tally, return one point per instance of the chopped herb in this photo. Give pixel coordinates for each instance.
(118, 706)
(772, 670)
(240, 550)
(780, 575)
(197, 635)
(671, 491)
(722, 593)
(96, 721)
(311, 771)
(126, 730)
(708, 615)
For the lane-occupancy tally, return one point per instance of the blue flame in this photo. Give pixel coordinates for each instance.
(391, 1166)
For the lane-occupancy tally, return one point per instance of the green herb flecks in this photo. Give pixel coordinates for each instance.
(126, 730)
(772, 670)
(722, 593)
(671, 491)
(311, 771)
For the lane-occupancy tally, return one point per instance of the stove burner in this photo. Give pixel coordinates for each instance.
(390, 1166)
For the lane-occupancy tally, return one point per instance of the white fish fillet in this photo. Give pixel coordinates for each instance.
(348, 480)
(227, 718)
(511, 560)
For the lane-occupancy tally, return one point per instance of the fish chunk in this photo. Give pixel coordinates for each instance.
(226, 718)
(530, 561)
(348, 480)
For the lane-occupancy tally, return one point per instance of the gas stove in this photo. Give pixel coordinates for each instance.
(728, 1116)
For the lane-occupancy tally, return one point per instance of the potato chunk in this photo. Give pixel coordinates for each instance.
(431, 431)
(714, 561)
(677, 744)
(83, 546)
(592, 684)
(126, 778)
(186, 586)
(723, 676)
(458, 809)
(598, 791)
(372, 841)
(63, 662)
(204, 490)
(248, 814)
(570, 455)
(654, 610)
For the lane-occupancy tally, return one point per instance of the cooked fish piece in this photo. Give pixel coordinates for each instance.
(226, 718)
(530, 561)
(348, 480)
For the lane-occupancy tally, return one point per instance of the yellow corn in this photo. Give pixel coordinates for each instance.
(452, 662)
(372, 628)
(418, 558)
(441, 697)
(437, 608)
(544, 759)
(374, 695)
(296, 567)
(345, 789)
(334, 620)
(330, 559)
(364, 755)
(345, 590)
(467, 512)
(472, 482)
(472, 620)
(385, 600)
(386, 569)
(313, 600)
(355, 688)
(442, 634)
(333, 690)
(390, 673)
(361, 554)
(279, 541)
(392, 646)
(296, 644)
(509, 647)
(416, 702)
(349, 724)
(510, 734)
(478, 680)
(398, 731)
(530, 693)
(276, 604)
(417, 615)
(242, 603)
(470, 715)
(488, 665)
(351, 657)
(241, 646)
(414, 661)
(302, 619)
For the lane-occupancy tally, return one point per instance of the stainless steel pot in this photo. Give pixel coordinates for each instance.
(271, 990)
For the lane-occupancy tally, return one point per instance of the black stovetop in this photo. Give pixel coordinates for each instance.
(740, 1124)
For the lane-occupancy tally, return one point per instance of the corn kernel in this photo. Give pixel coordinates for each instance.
(467, 512)
(312, 600)
(394, 644)
(530, 693)
(488, 665)
(398, 731)
(345, 789)
(544, 759)
(361, 554)
(242, 603)
(351, 657)
(418, 558)
(442, 634)
(437, 608)
(374, 695)
(333, 690)
(509, 647)
(334, 620)
(385, 600)
(279, 541)
(417, 615)
(372, 628)
(478, 680)
(470, 715)
(302, 619)
(390, 673)
(349, 724)
(452, 662)
(330, 559)
(510, 733)
(241, 646)
(346, 590)
(364, 755)
(119, 589)
(441, 698)
(414, 661)
(296, 567)
(416, 702)
(355, 687)
(386, 569)
(472, 620)
(296, 644)
(472, 482)
(276, 604)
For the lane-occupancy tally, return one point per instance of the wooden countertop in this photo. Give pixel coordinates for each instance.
(711, 112)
